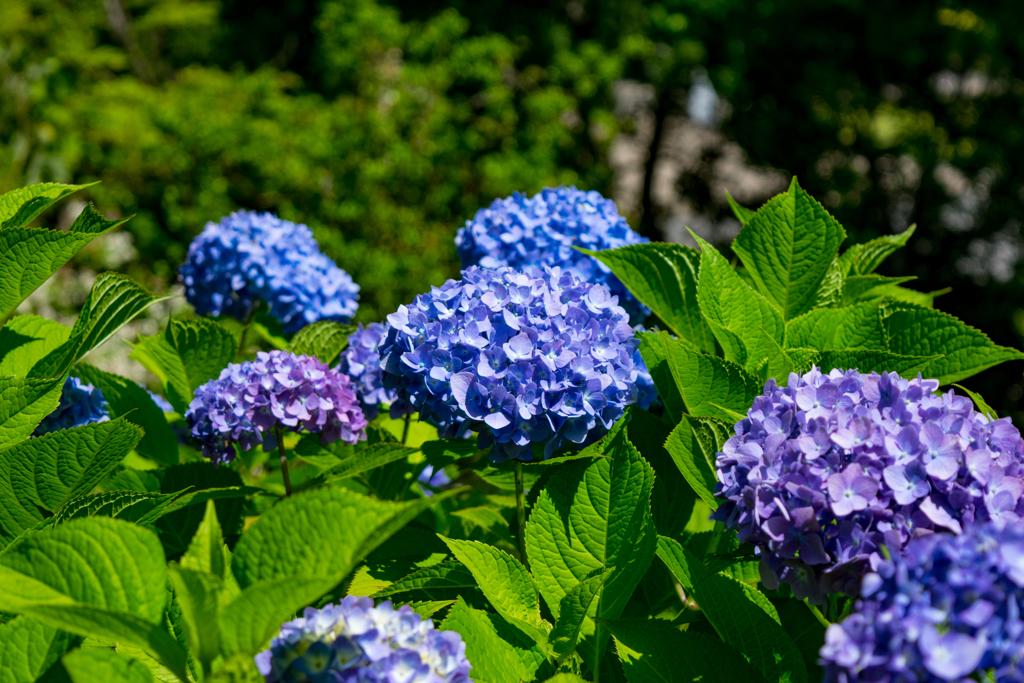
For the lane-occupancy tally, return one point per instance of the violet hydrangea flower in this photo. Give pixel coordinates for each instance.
(250, 256)
(278, 389)
(355, 642)
(80, 404)
(824, 473)
(521, 231)
(361, 362)
(948, 607)
(522, 357)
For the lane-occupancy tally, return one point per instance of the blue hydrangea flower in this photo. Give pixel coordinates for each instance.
(361, 362)
(355, 642)
(522, 357)
(542, 230)
(249, 400)
(824, 473)
(80, 404)
(949, 608)
(252, 256)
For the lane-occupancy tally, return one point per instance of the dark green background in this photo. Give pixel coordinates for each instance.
(385, 125)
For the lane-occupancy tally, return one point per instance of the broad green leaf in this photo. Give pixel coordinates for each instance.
(23, 405)
(429, 608)
(830, 291)
(572, 612)
(673, 498)
(25, 340)
(737, 314)
(200, 596)
(20, 206)
(860, 287)
(917, 331)
(447, 575)
(129, 400)
(506, 584)
(131, 506)
(979, 403)
(49, 470)
(858, 326)
(377, 455)
(497, 651)
(869, 360)
(324, 340)
(28, 648)
(189, 353)
(664, 277)
(95, 576)
(806, 631)
(653, 652)
(740, 619)
(911, 296)
(113, 301)
(743, 215)
(488, 520)
(863, 259)
(207, 552)
(787, 247)
(222, 484)
(780, 362)
(698, 379)
(693, 445)
(104, 665)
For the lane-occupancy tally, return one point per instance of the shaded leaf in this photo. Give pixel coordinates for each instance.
(324, 340)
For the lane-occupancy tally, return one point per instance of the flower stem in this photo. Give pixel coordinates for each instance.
(245, 328)
(284, 461)
(405, 429)
(817, 614)
(521, 513)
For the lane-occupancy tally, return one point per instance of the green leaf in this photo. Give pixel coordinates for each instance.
(787, 247)
(664, 277)
(114, 301)
(200, 596)
(743, 215)
(693, 445)
(189, 353)
(25, 340)
(738, 616)
(911, 296)
(917, 331)
(95, 576)
(496, 651)
(858, 326)
(132, 402)
(177, 525)
(51, 469)
(869, 360)
(372, 457)
(806, 631)
(429, 608)
(325, 340)
(830, 291)
(653, 652)
(104, 665)
(700, 381)
(207, 552)
(506, 584)
(19, 207)
(572, 612)
(737, 314)
(979, 403)
(439, 577)
(28, 648)
(860, 287)
(23, 405)
(863, 259)
(131, 506)
(672, 498)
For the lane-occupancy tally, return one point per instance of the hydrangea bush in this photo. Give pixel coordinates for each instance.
(810, 497)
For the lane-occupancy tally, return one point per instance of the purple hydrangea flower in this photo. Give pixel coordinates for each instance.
(252, 256)
(824, 473)
(522, 357)
(249, 400)
(947, 608)
(542, 230)
(80, 404)
(361, 362)
(432, 478)
(355, 642)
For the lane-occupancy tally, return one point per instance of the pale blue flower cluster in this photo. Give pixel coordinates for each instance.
(355, 642)
(80, 404)
(249, 257)
(522, 357)
(361, 362)
(249, 400)
(947, 609)
(824, 473)
(521, 231)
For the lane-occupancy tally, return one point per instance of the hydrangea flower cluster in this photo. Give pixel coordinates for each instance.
(542, 230)
(361, 362)
(80, 404)
(822, 474)
(948, 607)
(250, 399)
(524, 357)
(252, 256)
(357, 642)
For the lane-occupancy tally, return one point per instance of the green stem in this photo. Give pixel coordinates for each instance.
(521, 513)
(284, 462)
(817, 614)
(245, 328)
(405, 429)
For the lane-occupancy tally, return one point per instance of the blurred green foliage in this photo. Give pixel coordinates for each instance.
(384, 125)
